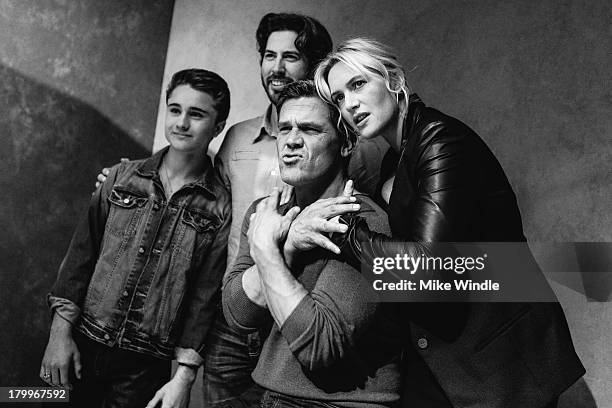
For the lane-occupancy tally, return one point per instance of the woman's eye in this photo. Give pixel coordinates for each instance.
(175, 111)
(358, 84)
(338, 99)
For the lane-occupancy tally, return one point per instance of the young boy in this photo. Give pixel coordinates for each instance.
(140, 281)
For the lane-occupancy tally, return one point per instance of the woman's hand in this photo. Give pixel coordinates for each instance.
(312, 227)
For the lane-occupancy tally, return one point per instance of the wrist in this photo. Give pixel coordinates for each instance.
(269, 254)
(60, 326)
(186, 373)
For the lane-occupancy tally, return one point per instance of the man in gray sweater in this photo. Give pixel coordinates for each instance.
(330, 342)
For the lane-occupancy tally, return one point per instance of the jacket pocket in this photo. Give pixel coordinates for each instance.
(125, 210)
(199, 221)
(126, 199)
(246, 155)
(198, 230)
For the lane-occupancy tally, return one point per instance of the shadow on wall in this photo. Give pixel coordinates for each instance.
(53, 147)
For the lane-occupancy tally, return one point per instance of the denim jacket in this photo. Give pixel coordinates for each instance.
(144, 272)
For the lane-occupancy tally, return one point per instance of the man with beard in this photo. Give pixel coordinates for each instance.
(331, 343)
(290, 47)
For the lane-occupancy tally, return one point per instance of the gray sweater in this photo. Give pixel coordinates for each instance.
(339, 345)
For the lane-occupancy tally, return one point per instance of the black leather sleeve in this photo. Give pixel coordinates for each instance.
(440, 187)
(360, 245)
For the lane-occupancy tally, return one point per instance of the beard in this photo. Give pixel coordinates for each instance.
(273, 90)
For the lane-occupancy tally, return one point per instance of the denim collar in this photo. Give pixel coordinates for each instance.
(149, 168)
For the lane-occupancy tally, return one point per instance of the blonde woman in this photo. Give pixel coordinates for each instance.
(441, 183)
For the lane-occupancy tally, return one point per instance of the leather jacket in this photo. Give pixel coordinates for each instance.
(143, 272)
(449, 187)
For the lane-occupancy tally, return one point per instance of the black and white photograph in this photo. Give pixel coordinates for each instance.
(316, 203)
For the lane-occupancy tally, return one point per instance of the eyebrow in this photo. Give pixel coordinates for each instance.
(302, 124)
(284, 53)
(190, 108)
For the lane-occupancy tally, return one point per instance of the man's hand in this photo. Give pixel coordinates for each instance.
(286, 193)
(104, 173)
(268, 229)
(311, 228)
(267, 232)
(175, 393)
(61, 353)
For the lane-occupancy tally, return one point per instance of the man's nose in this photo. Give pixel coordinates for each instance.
(182, 122)
(294, 139)
(279, 65)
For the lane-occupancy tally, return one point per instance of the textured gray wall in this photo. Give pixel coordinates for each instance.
(79, 87)
(532, 78)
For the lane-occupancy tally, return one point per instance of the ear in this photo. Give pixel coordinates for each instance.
(219, 128)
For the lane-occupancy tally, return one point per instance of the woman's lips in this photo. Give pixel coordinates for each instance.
(360, 118)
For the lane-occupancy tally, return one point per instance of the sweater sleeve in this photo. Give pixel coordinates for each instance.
(239, 311)
(325, 325)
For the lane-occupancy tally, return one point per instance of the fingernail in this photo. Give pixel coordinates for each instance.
(356, 206)
(352, 198)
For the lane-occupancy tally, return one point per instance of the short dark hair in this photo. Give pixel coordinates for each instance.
(306, 89)
(313, 39)
(204, 81)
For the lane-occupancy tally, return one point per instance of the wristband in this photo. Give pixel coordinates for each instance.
(192, 366)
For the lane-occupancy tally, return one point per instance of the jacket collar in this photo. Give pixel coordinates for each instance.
(149, 168)
(415, 104)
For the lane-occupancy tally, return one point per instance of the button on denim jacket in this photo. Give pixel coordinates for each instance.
(144, 273)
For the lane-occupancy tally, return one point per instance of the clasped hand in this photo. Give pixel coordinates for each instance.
(273, 236)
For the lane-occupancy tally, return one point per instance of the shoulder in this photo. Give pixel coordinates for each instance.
(125, 169)
(373, 214)
(213, 183)
(434, 127)
(438, 141)
(239, 130)
(253, 207)
(216, 184)
(245, 222)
